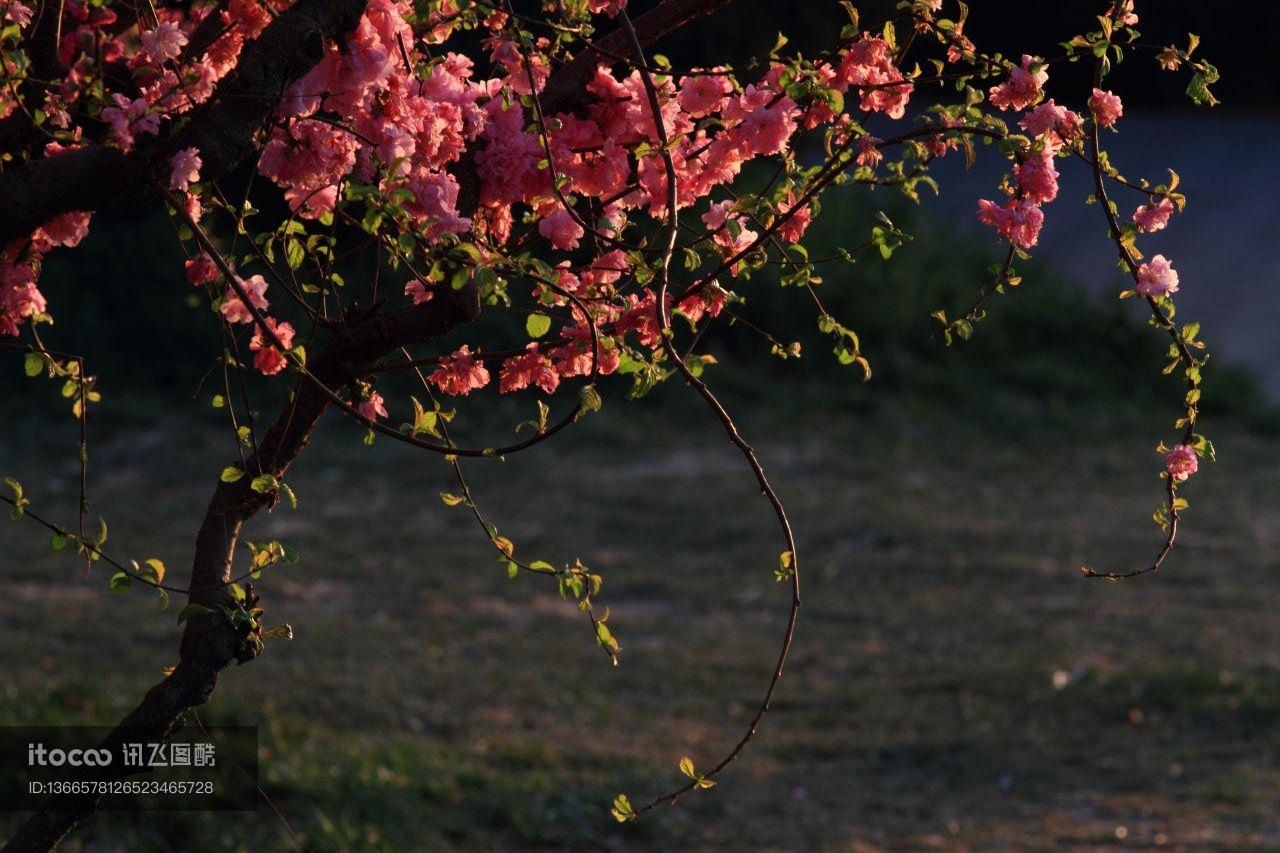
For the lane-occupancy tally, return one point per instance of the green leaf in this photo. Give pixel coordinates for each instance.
(285, 631)
(686, 767)
(230, 474)
(120, 582)
(622, 811)
(33, 364)
(589, 398)
(264, 484)
(450, 499)
(157, 568)
(537, 325)
(786, 566)
(192, 610)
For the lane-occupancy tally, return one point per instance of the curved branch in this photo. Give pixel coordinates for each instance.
(208, 645)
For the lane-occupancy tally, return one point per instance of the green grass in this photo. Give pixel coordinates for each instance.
(955, 683)
(428, 702)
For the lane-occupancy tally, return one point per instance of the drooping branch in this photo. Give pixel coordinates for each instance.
(210, 645)
(98, 177)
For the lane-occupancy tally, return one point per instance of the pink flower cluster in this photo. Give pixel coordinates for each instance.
(1157, 278)
(20, 262)
(1153, 216)
(1181, 462)
(1023, 87)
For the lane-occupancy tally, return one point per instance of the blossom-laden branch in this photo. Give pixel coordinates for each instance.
(552, 179)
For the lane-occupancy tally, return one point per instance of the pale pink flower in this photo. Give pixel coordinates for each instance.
(128, 119)
(1018, 220)
(460, 373)
(797, 221)
(1153, 217)
(1124, 14)
(19, 13)
(703, 94)
(372, 408)
(1181, 462)
(869, 153)
(1157, 278)
(1037, 178)
(608, 8)
(561, 229)
(717, 215)
(1023, 86)
(67, 229)
(1059, 124)
(234, 310)
(1106, 107)
(164, 42)
(528, 368)
(186, 169)
(419, 291)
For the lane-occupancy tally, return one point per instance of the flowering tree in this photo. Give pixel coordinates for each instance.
(428, 164)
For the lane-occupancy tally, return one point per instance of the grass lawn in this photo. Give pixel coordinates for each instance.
(955, 682)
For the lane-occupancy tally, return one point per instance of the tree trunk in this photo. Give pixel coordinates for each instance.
(209, 645)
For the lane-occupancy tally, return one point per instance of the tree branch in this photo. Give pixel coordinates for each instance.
(97, 177)
(565, 85)
(210, 645)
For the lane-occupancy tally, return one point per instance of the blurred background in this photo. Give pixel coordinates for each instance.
(954, 684)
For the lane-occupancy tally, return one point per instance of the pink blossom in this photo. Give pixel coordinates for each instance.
(797, 221)
(760, 121)
(127, 119)
(1058, 124)
(703, 94)
(528, 368)
(1037, 178)
(641, 318)
(19, 298)
(164, 42)
(1106, 107)
(607, 7)
(270, 360)
(1153, 217)
(186, 169)
(575, 359)
(419, 291)
(1181, 462)
(372, 407)
(1018, 220)
(234, 310)
(460, 373)
(67, 229)
(1123, 13)
(1023, 86)
(201, 269)
(869, 154)
(868, 66)
(709, 302)
(561, 229)
(717, 215)
(1157, 278)
(19, 13)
